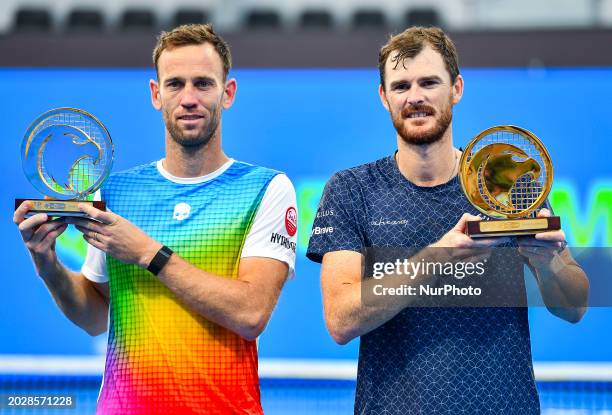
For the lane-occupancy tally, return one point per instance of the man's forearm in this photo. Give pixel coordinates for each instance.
(76, 297)
(564, 287)
(348, 316)
(363, 306)
(232, 303)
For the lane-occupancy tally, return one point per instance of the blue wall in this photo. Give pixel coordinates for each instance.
(311, 123)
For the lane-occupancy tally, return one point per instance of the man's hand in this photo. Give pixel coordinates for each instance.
(456, 237)
(563, 284)
(540, 250)
(39, 234)
(85, 303)
(460, 247)
(116, 236)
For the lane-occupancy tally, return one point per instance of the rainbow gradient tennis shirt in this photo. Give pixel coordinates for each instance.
(162, 357)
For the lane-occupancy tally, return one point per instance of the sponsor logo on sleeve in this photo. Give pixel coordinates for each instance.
(283, 241)
(291, 221)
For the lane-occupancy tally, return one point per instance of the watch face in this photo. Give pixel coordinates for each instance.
(160, 259)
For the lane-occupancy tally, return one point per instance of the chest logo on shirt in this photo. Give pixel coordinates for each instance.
(181, 211)
(324, 213)
(291, 221)
(383, 222)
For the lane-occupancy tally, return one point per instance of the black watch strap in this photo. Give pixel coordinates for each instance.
(159, 260)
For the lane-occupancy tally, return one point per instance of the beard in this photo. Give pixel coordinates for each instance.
(429, 136)
(194, 138)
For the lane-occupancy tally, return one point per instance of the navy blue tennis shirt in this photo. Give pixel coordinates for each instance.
(424, 360)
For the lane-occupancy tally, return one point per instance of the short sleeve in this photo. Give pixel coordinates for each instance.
(94, 268)
(335, 227)
(273, 233)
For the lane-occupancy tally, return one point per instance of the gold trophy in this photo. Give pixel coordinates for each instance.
(66, 154)
(506, 173)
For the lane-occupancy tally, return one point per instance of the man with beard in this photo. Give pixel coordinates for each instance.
(189, 259)
(417, 360)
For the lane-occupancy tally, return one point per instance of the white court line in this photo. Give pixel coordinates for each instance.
(284, 368)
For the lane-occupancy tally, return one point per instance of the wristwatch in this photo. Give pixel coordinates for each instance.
(160, 259)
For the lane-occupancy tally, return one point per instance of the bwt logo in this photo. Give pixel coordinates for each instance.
(322, 231)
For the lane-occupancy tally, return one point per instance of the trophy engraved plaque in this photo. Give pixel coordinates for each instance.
(66, 155)
(506, 173)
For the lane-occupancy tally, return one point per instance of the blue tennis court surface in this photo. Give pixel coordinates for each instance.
(300, 396)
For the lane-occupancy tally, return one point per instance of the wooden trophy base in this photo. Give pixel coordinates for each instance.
(58, 208)
(511, 227)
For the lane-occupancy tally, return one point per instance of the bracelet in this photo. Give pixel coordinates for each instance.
(160, 259)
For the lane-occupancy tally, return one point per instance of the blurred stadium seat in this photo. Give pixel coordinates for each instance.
(541, 14)
(316, 19)
(603, 13)
(137, 20)
(85, 20)
(423, 17)
(262, 19)
(41, 15)
(369, 19)
(188, 16)
(32, 20)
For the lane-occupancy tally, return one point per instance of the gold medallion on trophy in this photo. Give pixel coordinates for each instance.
(506, 173)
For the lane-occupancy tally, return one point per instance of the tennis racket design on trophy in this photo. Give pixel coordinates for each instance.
(66, 155)
(506, 173)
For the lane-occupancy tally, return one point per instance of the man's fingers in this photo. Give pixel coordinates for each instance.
(43, 230)
(537, 251)
(104, 217)
(544, 213)
(21, 211)
(80, 222)
(30, 225)
(460, 226)
(488, 242)
(540, 248)
(84, 225)
(33, 221)
(556, 236)
(54, 234)
(530, 242)
(95, 243)
(92, 234)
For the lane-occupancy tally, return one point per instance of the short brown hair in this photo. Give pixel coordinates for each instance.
(411, 41)
(193, 34)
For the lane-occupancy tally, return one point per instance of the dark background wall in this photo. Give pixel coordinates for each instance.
(531, 48)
